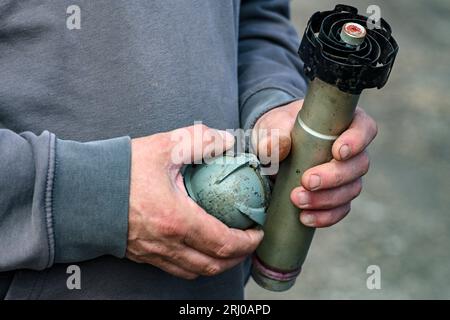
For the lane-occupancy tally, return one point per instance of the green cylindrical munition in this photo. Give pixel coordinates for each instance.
(325, 114)
(341, 59)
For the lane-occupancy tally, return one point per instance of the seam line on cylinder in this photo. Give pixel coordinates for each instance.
(315, 133)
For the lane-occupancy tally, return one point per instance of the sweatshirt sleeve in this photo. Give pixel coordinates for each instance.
(61, 201)
(270, 71)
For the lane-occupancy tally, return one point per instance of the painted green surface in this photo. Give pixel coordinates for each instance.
(231, 189)
(286, 242)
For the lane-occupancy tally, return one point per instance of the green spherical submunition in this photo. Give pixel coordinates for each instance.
(231, 189)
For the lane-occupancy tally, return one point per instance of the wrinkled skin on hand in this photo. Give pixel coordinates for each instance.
(168, 229)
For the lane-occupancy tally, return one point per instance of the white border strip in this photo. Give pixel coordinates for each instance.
(315, 133)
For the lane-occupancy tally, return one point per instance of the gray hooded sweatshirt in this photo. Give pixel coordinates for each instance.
(78, 80)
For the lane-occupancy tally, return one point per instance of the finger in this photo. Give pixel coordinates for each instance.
(210, 236)
(336, 173)
(200, 263)
(326, 199)
(273, 133)
(275, 147)
(165, 265)
(324, 218)
(190, 259)
(197, 142)
(356, 138)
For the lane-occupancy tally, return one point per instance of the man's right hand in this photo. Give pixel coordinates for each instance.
(168, 229)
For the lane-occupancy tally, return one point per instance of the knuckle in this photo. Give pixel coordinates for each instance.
(208, 138)
(164, 137)
(329, 203)
(317, 199)
(330, 200)
(347, 209)
(174, 255)
(358, 187)
(359, 111)
(225, 251)
(212, 270)
(163, 144)
(373, 127)
(338, 178)
(365, 163)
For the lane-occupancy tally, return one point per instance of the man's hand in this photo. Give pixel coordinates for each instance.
(166, 228)
(326, 190)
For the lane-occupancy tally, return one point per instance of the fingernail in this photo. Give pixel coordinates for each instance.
(303, 198)
(314, 182)
(308, 219)
(344, 151)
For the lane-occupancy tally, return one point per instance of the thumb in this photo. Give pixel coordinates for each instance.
(274, 146)
(271, 138)
(195, 143)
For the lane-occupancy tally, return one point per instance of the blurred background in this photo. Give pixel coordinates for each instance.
(401, 221)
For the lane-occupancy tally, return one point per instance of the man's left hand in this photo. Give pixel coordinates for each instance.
(325, 191)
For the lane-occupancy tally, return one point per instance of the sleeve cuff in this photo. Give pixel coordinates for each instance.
(261, 102)
(90, 199)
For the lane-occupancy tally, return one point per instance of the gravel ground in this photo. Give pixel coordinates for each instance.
(401, 221)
